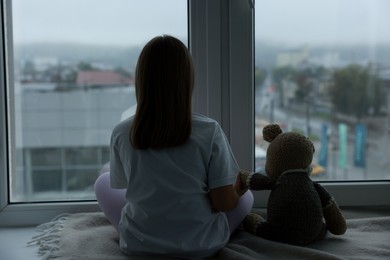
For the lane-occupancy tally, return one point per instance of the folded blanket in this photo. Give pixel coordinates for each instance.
(90, 236)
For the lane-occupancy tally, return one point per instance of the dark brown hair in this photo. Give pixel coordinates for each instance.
(164, 81)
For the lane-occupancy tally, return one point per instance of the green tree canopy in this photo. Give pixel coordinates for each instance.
(82, 65)
(281, 73)
(355, 91)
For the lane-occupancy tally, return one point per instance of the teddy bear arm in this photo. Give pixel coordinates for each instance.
(261, 182)
(334, 219)
(256, 181)
(323, 193)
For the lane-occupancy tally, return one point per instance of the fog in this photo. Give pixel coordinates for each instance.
(124, 22)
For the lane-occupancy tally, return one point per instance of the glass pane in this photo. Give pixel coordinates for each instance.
(82, 156)
(322, 68)
(74, 66)
(46, 180)
(45, 157)
(81, 180)
(105, 154)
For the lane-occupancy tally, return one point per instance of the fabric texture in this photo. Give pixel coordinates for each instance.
(111, 201)
(294, 211)
(90, 236)
(172, 185)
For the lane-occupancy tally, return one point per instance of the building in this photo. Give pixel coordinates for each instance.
(62, 138)
(101, 78)
(292, 57)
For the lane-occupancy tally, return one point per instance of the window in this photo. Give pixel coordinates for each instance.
(322, 69)
(72, 82)
(221, 39)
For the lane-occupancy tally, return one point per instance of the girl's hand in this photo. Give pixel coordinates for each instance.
(238, 187)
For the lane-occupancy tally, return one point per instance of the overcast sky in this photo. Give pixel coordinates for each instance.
(323, 21)
(119, 22)
(124, 22)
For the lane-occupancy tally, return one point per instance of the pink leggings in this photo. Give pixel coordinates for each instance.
(111, 202)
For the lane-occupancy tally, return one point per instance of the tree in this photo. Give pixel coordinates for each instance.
(304, 83)
(85, 66)
(356, 91)
(281, 73)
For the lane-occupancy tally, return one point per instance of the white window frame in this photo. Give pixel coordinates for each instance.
(221, 42)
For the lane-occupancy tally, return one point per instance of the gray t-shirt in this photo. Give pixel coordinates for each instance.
(168, 210)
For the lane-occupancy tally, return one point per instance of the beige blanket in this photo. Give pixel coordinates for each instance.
(90, 236)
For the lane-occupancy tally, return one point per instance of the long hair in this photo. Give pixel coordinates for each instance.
(164, 81)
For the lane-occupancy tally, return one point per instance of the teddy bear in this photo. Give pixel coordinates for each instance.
(299, 211)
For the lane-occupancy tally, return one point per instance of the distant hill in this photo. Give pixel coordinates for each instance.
(126, 57)
(266, 53)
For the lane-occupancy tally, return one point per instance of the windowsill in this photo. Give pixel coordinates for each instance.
(14, 243)
(352, 195)
(14, 240)
(15, 215)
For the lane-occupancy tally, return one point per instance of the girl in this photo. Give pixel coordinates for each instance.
(172, 188)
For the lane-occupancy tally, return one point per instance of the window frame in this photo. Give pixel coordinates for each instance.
(224, 90)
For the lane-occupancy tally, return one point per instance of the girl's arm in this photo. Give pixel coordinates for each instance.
(226, 198)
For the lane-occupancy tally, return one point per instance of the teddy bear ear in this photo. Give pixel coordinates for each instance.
(270, 132)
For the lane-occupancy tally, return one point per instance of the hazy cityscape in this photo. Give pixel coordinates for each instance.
(85, 71)
(329, 82)
(309, 91)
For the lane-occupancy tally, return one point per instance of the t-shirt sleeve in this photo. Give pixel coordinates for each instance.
(117, 174)
(223, 167)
